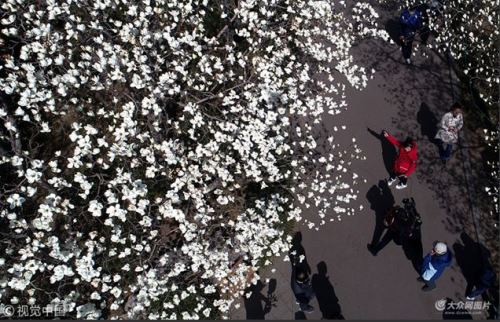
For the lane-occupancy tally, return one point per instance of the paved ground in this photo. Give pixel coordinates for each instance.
(402, 100)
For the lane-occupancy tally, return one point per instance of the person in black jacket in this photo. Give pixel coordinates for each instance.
(302, 288)
(300, 277)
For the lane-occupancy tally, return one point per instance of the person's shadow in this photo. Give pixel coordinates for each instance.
(473, 258)
(388, 151)
(468, 257)
(381, 201)
(414, 250)
(325, 294)
(297, 251)
(258, 305)
(428, 125)
(428, 122)
(393, 28)
(271, 297)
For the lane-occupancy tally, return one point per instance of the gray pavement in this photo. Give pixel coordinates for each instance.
(402, 100)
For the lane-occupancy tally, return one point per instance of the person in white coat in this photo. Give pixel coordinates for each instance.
(451, 123)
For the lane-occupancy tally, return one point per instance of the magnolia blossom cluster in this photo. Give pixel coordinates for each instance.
(153, 153)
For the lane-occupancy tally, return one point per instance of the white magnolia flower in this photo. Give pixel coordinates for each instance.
(15, 200)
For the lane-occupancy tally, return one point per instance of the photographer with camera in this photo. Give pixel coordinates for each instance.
(402, 223)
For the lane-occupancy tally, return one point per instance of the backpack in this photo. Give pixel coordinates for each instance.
(412, 20)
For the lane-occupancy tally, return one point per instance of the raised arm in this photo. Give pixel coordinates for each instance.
(392, 139)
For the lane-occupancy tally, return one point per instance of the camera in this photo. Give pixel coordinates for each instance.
(411, 214)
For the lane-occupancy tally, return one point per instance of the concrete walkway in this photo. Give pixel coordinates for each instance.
(404, 100)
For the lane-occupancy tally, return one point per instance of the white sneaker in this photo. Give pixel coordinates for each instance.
(391, 181)
(408, 61)
(470, 298)
(400, 186)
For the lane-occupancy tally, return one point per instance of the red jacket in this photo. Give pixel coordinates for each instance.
(406, 161)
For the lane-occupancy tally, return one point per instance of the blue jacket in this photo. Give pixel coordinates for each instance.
(412, 19)
(437, 263)
(410, 23)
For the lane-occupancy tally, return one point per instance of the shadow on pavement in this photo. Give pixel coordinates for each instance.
(429, 125)
(393, 28)
(257, 305)
(428, 122)
(414, 250)
(381, 201)
(325, 294)
(388, 150)
(474, 261)
(296, 251)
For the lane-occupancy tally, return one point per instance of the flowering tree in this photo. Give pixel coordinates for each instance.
(154, 152)
(469, 31)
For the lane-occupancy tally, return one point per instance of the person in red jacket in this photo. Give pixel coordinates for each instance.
(405, 162)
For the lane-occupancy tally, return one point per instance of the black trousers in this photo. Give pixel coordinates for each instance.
(406, 47)
(430, 284)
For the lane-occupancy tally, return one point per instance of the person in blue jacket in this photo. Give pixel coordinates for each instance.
(434, 265)
(411, 22)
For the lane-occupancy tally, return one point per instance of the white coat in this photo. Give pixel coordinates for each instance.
(448, 123)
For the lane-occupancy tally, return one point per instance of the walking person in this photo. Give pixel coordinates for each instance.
(434, 265)
(451, 123)
(405, 162)
(302, 288)
(300, 281)
(410, 22)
